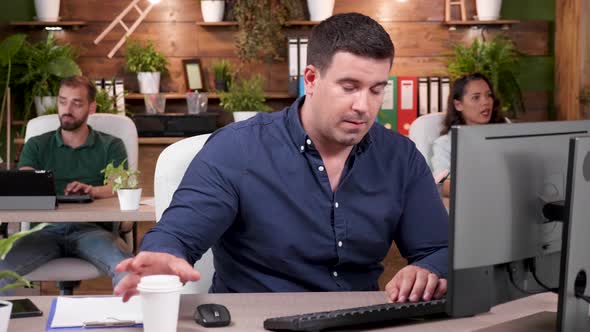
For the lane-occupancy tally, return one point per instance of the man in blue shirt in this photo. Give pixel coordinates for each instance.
(309, 198)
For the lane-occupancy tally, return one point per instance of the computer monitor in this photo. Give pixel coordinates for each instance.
(575, 263)
(502, 176)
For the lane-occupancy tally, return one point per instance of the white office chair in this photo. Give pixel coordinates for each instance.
(170, 168)
(424, 131)
(69, 271)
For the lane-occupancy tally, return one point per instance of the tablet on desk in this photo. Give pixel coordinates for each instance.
(24, 308)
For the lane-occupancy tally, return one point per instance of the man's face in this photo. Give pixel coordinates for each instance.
(73, 107)
(346, 97)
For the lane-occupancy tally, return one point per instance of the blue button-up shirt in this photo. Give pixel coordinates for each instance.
(259, 195)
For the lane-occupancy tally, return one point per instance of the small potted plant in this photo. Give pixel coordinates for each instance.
(148, 63)
(222, 73)
(124, 182)
(244, 98)
(5, 246)
(212, 10)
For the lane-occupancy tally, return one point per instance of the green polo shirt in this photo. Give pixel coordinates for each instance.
(83, 164)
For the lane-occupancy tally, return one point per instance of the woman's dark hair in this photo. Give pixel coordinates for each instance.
(455, 117)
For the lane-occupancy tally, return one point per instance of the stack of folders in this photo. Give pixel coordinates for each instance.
(297, 64)
(407, 97)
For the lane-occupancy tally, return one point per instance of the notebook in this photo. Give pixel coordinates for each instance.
(27, 190)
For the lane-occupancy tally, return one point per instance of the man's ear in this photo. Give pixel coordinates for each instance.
(310, 77)
(92, 108)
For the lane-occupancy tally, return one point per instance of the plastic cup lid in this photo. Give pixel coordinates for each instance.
(159, 283)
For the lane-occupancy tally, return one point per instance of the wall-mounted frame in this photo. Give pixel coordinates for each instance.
(193, 75)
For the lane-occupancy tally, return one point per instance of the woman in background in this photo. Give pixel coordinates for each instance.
(471, 102)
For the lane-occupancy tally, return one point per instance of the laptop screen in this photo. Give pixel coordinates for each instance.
(26, 183)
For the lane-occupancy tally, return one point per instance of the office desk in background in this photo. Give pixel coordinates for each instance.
(248, 312)
(101, 210)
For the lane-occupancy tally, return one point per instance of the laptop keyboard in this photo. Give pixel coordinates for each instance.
(380, 313)
(74, 198)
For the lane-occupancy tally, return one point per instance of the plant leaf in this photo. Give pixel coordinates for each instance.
(6, 244)
(10, 46)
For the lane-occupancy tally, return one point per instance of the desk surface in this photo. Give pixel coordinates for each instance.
(101, 210)
(248, 311)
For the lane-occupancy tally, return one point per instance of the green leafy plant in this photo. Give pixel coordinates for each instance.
(143, 57)
(5, 247)
(260, 24)
(585, 97)
(497, 59)
(222, 70)
(245, 95)
(120, 177)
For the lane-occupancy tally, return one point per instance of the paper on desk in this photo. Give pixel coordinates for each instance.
(74, 311)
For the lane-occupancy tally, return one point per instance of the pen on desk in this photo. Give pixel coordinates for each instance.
(111, 323)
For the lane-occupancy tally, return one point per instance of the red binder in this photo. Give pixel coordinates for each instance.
(407, 101)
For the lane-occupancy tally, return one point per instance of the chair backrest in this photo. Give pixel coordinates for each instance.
(170, 168)
(424, 130)
(116, 125)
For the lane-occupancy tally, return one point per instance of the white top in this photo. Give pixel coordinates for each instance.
(441, 154)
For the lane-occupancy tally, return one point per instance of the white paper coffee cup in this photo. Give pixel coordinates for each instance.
(160, 300)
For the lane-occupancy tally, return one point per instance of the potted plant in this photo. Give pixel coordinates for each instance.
(244, 98)
(487, 10)
(212, 10)
(5, 246)
(148, 63)
(47, 10)
(260, 26)
(497, 59)
(124, 182)
(222, 73)
(320, 10)
(42, 66)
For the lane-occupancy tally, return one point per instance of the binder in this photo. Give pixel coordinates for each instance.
(434, 92)
(293, 67)
(407, 111)
(445, 88)
(423, 97)
(387, 115)
(302, 64)
(119, 93)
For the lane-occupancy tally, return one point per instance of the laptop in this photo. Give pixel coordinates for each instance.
(27, 190)
(32, 190)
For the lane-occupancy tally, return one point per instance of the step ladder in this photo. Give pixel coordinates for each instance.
(129, 30)
(448, 9)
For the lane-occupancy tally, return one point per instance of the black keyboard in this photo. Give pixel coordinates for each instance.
(355, 316)
(74, 198)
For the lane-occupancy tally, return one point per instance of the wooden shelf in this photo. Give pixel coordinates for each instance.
(235, 23)
(211, 95)
(504, 24)
(62, 24)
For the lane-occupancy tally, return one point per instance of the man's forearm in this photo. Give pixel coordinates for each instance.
(102, 191)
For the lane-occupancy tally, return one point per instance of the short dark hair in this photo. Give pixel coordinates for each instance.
(455, 117)
(350, 32)
(80, 81)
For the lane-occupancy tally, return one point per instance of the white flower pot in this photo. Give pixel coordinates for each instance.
(5, 310)
(239, 116)
(212, 10)
(44, 103)
(129, 199)
(320, 10)
(488, 10)
(47, 10)
(149, 82)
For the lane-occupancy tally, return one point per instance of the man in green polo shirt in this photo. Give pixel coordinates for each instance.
(76, 154)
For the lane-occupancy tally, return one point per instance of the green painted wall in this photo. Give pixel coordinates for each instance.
(16, 10)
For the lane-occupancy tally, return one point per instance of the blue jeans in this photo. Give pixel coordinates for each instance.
(80, 240)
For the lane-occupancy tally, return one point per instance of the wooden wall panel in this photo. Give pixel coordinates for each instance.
(567, 59)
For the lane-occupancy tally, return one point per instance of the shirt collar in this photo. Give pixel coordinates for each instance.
(300, 137)
(90, 140)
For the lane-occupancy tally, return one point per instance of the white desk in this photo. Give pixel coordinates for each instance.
(101, 210)
(248, 311)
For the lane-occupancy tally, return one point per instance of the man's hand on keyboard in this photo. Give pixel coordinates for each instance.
(147, 263)
(76, 187)
(414, 283)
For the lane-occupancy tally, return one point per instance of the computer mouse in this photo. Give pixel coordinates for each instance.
(212, 315)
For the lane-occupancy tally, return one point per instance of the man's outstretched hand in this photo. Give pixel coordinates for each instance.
(148, 263)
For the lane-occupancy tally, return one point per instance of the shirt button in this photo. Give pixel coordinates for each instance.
(321, 168)
(302, 148)
(335, 274)
(340, 243)
(336, 205)
(308, 141)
